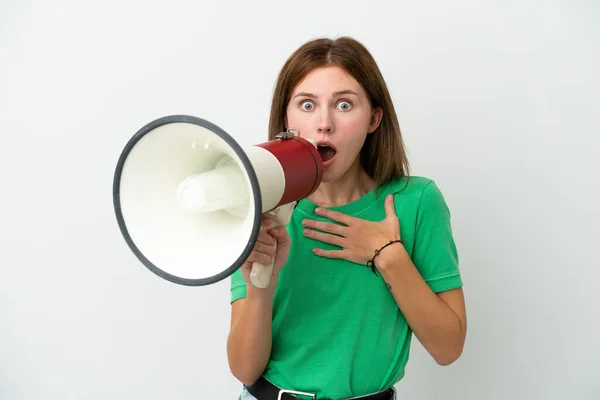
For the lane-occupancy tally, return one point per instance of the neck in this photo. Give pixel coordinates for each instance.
(351, 186)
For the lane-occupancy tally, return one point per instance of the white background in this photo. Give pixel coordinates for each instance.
(498, 102)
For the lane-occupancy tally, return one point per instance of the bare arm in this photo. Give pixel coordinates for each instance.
(250, 336)
(249, 341)
(438, 321)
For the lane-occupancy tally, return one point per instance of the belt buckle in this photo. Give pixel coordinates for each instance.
(313, 396)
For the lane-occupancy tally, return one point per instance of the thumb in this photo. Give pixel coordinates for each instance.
(281, 235)
(390, 209)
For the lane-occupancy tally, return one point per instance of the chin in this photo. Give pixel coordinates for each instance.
(327, 179)
(337, 169)
(331, 175)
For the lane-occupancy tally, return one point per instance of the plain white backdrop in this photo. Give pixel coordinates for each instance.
(498, 102)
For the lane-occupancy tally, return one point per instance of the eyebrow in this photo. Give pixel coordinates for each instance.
(341, 92)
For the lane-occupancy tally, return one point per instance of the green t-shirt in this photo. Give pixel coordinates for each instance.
(337, 330)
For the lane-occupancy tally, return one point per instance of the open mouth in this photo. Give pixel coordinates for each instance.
(326, 152)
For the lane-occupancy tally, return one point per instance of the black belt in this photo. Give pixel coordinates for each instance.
(265, 390)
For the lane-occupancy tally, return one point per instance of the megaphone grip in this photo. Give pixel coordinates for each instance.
(261, 274)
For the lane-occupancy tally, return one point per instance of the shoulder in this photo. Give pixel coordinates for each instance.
(417, 197)
(417, 188)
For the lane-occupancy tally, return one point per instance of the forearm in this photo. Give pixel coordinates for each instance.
(434, 323)
(249, 342)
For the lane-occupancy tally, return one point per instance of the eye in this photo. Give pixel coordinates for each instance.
(307, 105)
(344, 105)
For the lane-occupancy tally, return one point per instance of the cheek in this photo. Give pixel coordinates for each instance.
(301, 121)
(352, 127)
(352, 133)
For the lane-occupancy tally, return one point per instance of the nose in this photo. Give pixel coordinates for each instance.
(326, 124)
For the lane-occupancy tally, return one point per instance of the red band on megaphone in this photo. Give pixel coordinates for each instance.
(302, 166)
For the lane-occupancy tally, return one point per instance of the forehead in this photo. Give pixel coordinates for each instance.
(326, 80)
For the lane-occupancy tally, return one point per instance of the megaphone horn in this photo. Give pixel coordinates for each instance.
(189, 200)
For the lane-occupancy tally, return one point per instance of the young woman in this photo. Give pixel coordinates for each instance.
(367, 260)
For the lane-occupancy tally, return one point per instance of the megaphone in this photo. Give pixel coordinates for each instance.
(189, 199)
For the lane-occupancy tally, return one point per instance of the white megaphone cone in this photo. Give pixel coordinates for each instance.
(189, 199)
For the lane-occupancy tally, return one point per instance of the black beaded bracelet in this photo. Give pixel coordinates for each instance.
(371, 262)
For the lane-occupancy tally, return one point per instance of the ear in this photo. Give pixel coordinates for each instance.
(376, 118)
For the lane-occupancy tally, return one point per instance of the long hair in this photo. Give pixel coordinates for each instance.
(383, 156)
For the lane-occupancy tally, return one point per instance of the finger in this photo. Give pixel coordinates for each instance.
(266, 238)
(324, 226)
(334, 215)
(325, 237)
(281, 236)
(390, 208)
(265, 249)
(329, 253)
(259, 257)
(267, 221)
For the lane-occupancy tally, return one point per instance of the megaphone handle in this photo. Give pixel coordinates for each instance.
(260, 276)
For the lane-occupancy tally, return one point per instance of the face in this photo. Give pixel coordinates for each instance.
(331, 107)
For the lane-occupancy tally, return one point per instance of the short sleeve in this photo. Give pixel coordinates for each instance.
(238, 286)
(434, 252)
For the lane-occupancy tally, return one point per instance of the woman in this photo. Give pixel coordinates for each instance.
(367, 260)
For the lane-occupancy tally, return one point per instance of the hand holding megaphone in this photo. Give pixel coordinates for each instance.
(269, 255)
(262, 272)
(189, 200)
